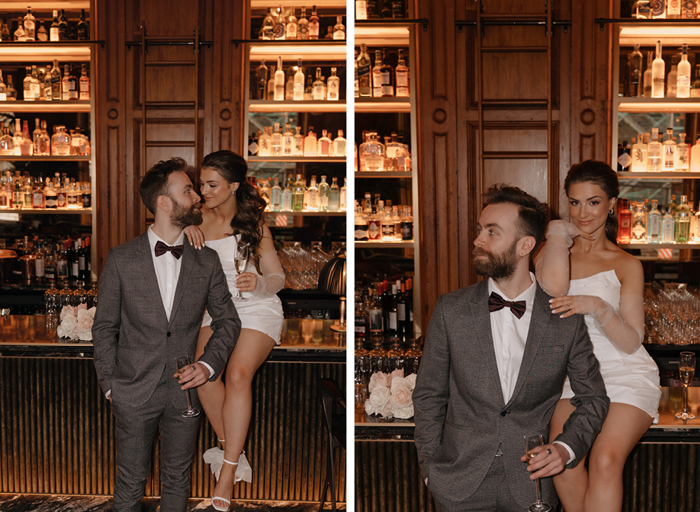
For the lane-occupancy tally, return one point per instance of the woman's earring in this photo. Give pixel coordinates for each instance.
(611, 211)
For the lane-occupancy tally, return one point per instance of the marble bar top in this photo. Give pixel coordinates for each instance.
(669, 429)
(303, 340)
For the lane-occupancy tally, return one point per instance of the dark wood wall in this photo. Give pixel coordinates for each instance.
(505, 69)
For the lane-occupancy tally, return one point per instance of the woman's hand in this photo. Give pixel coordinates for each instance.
(246, 281)
(573, 305)
(195, 236)
(567, 229)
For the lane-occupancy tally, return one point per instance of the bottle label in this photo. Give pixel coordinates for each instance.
(61, 200)
(39, 266)
(401, 310)
(87, 200)
(360, 329)
(360, 233)
(392, 320)
(407, 230)
(624, 160)
(252, 148)
(53, 34)
(374, 231)
(279, 31)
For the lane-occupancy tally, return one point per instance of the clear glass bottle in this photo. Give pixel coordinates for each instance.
(364, 72)
(287, 140)
(314, 200)
(323, 195)
(683, 75)
(84, 93)
(310, 143)
(17, 137)
(636, 75)
(80, 294)
(303, 26)
(667, 226)
(268, 26)
(339, 29)
(289, 85)
(69, 86)
(324, 144)
(403, 89)
(287, 195)
(261, 81)
(271, 84)
(658, 74)
(35, 84)
(682, 154)
(682, 222)
(279, 81)
(372, 154)
(374, 226)
(318, 87)
(20, 35)
(343, 195)
(298, 194)
(339, 145)
(361, 233)
(60, 142)
(333, 86)
(377, 75)
(334, 196)
(292, 27)
(654, 223)
(28, 93)
(29, 22)
(280, 25)
(50, 194)
(7, 145)
(298, 94)
(639, 224)
(53, 29)
(26, 146)
(276, 141)
(669, 151)
(314, 24)
(276, 196)
(654, 152)
(639, 155)
(298, 144)
(264, 143)
(38, 198)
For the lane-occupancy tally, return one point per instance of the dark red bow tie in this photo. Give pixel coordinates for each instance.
(162, 248)
(496, 303)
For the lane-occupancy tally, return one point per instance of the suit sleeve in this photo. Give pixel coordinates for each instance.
(225, 322)
(105, 329)
(432, 388)
(590, 398)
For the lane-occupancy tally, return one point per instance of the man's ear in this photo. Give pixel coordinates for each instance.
(164, 203)
(526, 245)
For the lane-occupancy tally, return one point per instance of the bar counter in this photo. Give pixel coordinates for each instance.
(57, 430)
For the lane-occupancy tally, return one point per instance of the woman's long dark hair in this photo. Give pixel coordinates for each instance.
(600, 173)
(249, 203)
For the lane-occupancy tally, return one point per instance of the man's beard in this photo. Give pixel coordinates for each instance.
(496, 266)
(182, 216)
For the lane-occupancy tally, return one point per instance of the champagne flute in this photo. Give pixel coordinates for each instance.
(686, 370)
(532, 442)
(183, 362)
(241, 261)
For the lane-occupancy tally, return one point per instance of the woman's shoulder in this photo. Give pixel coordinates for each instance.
(626, 266)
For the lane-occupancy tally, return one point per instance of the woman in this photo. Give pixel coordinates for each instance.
(232, 217)
(588, 274)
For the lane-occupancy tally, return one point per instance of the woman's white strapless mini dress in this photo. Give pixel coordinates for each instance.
(261, 311)
(631, 379)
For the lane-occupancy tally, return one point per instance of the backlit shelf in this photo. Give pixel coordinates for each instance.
(385, 245)
(297, 159)
(658, 175)
(383, 174)
(320, 4)
(651, 105)
(382, 105)
(29, 52)
(668, 32)
(46, 5)
(659, 246)
(291, 52)
(375, 34)
(43, 211)
(307, 214)
(24, 107)
(267, 106)
(14, 158)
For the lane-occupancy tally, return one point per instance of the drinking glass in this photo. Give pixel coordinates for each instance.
(183, 362)
(532, 443)
(686, 370)
(241, 261)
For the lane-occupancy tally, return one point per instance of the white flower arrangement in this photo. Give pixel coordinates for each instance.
(391, 394)
(76, 322)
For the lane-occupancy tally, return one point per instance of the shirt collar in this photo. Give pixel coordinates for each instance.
(528, 295)
(153, 239)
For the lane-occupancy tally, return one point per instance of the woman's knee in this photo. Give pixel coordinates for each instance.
(607, 462)
(238, 377)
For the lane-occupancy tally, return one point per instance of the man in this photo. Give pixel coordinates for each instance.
(152, 294)
(487, 379)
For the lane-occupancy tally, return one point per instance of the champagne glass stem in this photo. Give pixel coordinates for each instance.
(685, 399)
(189, 403)
(538, 491)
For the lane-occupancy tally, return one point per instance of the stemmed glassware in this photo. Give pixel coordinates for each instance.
(183, 362)
(240, 260)
(686, 370)
(532, 443)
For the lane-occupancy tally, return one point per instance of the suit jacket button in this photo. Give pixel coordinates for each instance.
(169, 334)
(503, 413)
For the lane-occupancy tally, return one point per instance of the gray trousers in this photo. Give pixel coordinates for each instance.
(493, 495)
(135, 429)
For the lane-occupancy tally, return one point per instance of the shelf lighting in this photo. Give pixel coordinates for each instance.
(74, 53)
(382, 36)
(293, 52)
(680, 107)
(9, 217)
(648, 35)
(297, 106)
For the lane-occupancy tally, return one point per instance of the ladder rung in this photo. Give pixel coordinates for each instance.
(168, 144)
(170, 103)
(514, 103)
(514, 17)
(169, 38)
(513, 49)
(511, 155)
(170, 63)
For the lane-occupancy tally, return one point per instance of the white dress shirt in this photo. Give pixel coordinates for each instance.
(509, 337)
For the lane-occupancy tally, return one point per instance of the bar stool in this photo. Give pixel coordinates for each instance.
(335, 426)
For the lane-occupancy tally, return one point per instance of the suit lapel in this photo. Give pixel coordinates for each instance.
(539, 322)
(481, 321)
(183, 279)
(145, 261)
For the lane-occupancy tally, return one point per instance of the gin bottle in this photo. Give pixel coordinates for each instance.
(324, 144)
(334, 196)
(339, 29)
(310, 143)
(292, 27)
(339, 144)
(639, 224)
(261, 81)
(377, 75)
(682, 222)
(318, 87)
(658, 73)
(298, 194)
(276, 196)
(654, 223)
(313, 24)
(372, 154)
(287, 140)
(624, 216)
(681, 156)
(667, 227)
(333, 86)
(298, 83)
(323, 194)
(298, 144)
(279, 81)
(639, 154)
(672, 85)
(287, 195)
(276, 141)
(84, 84)
(403, 89)
(683, 80)
(654, 152)
(648, 74)
(7, 145)
(265, 143)
(303, 26)
(20, 35)
(29, 25)
(343, 196)
(268, 26)
(289, 86)
(313, 200)
(669, 151)
(27, 85)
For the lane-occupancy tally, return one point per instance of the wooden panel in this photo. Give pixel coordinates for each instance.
(503, 74)
(514, 7)
(513, 37)
(167, 130)
(513, 138)
(169, 18)
(170, 83)
(529, 175)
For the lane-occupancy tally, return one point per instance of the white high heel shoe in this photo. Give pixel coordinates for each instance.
(218, 498)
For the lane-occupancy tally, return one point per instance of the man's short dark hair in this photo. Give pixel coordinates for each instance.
(532, 214)
(155, 182)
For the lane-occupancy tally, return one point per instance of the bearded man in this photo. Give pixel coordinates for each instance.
(152, 294)
(493, 366)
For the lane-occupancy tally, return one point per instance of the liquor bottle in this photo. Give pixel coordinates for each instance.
(26, 146)
(672, 85)
(271, 84)
(63, 26)
(56, 81)
(292, 28)
(287, 195)
(403, 89)
(683, 77)
(7, 146)
(264, 190)
(654, 223)
(276, 196)
(387, 222)
(60, 142)
(276, 141)
(387, 77)
(267, 29)
(5, 196)
(639, 224)
(329, 34)
(314, 25)
(654, 149)
(82, 28)
(35, 84)
(339, 144)
(695, 89)
(334, 196)
(392, 312)
(48, 89)
(339, 29)
(17, 137)
(298, 89)
(361, 233)
(73, 196)
(681, 222)
(672, 206)
(673, 9)
(36, 134)
(398, 9)
(261, 81)
(372, 154)
(309, 89)
(639, 154)
(27, 91)
(372, 9)
(688, 10)
(303, 26)
(361, 321)
(658, 9)
(298, 195)
(623, 157)
(318, 86)
(298, 144)
(289, 86)
(41, 32)
(69, 86)
(84, 84)
(20, 35)
(27, 191)
(18, 193)
(312, 196)
(4, 31)
(323, 144)
(635, 73)
(624, 217)
(374, 226)
(658, 73)
(287, 140)
(38, 198)
(279, 31)
(360, 9)
(407, 225)
(50, 195)
(377, 75)
(363, 72)
(10, 90)
(86, 194)
(669, 151)
(61, 194)
(51, 297)
(667, 227)
(53, 29)
(3, 89)
(385, 9)
(343, 195)
(681, 156)
(333, 86)
(310, 143)
(323, 195)
(279, 81)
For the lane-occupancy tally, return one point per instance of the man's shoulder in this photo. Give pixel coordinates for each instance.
(128, 248)
(468, 293)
